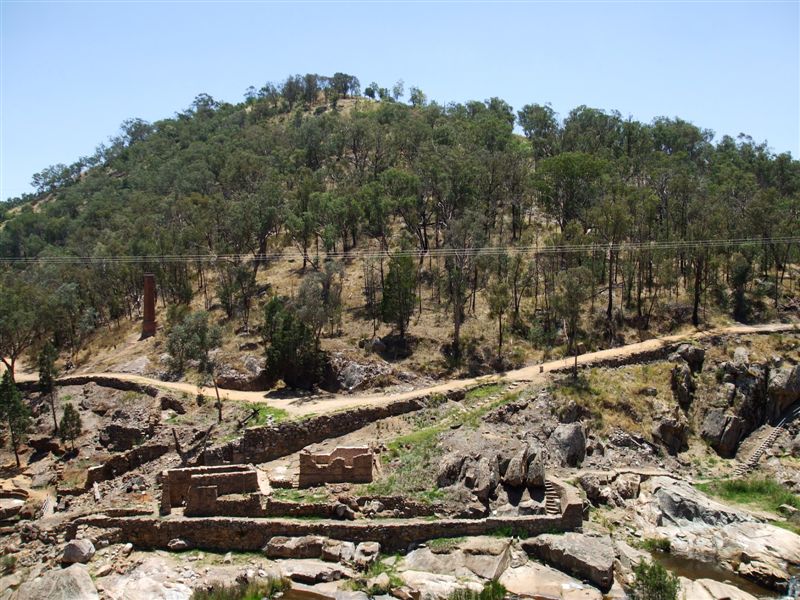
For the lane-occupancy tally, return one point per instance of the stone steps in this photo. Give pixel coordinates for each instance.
(552, 501)
(752, 462)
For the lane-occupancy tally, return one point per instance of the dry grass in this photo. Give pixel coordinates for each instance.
(614, 398)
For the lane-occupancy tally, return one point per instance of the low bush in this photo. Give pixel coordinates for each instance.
(653, 582)
(253, 590)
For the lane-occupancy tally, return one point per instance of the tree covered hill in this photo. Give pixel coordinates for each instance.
(638, 214)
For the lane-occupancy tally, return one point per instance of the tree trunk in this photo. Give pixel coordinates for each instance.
(697, 286)
(53, 408)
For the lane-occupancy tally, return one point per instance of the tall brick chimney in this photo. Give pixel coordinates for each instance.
(149, 322)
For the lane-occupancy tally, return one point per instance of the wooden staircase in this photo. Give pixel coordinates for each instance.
(752, 462)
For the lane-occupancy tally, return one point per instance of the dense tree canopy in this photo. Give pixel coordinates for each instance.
(647, 208)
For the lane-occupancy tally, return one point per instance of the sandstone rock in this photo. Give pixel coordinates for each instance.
(709, 589)
(144, 587)
(533, 580)
(366, 553)
(78, 551)
(484, 559)
(569, 442)
(380, 582)
(313, 571)
(177, 545)
(72, 583)
(434, 586)
(336, 551)
(672, 433)
(308, 546)
(583, 556)
(767, 572)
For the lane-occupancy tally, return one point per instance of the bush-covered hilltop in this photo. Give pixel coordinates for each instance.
(630, 220)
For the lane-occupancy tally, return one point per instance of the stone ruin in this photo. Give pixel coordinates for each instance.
(346, 464)
(198, 488)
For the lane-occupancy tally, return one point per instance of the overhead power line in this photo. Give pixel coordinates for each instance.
(432, 252)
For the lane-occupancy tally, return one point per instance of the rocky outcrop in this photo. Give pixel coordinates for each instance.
(344, 374)
(583, 556)
(723, 431)
(693, 356)
(672, 432)
(709, 589)
(678, 503)
(568, 441)
(533, 580)
(701, 528)
(683, 385)
(72, 583)
(251, 376)
(129, 427)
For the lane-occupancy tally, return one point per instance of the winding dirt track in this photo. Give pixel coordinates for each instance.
(534, 373)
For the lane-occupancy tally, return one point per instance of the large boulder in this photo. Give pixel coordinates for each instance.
(434, 586)
(450, 469)
(709, 589)
(784, 389)
(307, 546)
(78, 551)
(683, 385)
(517, 469)
(672, 433)
(583, 556)
(72, 583)
(723, 431)
(568, 441)
(535, 475)
(487, 476)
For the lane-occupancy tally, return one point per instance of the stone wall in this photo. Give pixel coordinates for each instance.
(222, 534)
(263, 444)
(101, 380)
(249, 534)
(345, 464)
(124, 462)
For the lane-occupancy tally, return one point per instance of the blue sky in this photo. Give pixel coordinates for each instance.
(73, 71)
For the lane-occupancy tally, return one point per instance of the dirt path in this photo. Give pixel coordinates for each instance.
(534, 373)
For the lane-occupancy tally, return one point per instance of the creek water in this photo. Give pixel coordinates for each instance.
(697, 569)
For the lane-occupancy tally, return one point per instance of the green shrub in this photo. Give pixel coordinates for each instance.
(491, 591)
(653, 582)
(253, 590)
(656, 544)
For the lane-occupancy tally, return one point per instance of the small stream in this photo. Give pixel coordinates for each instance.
(697, 569)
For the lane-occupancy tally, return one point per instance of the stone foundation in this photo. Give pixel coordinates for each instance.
(199, 487)
(343, 465)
